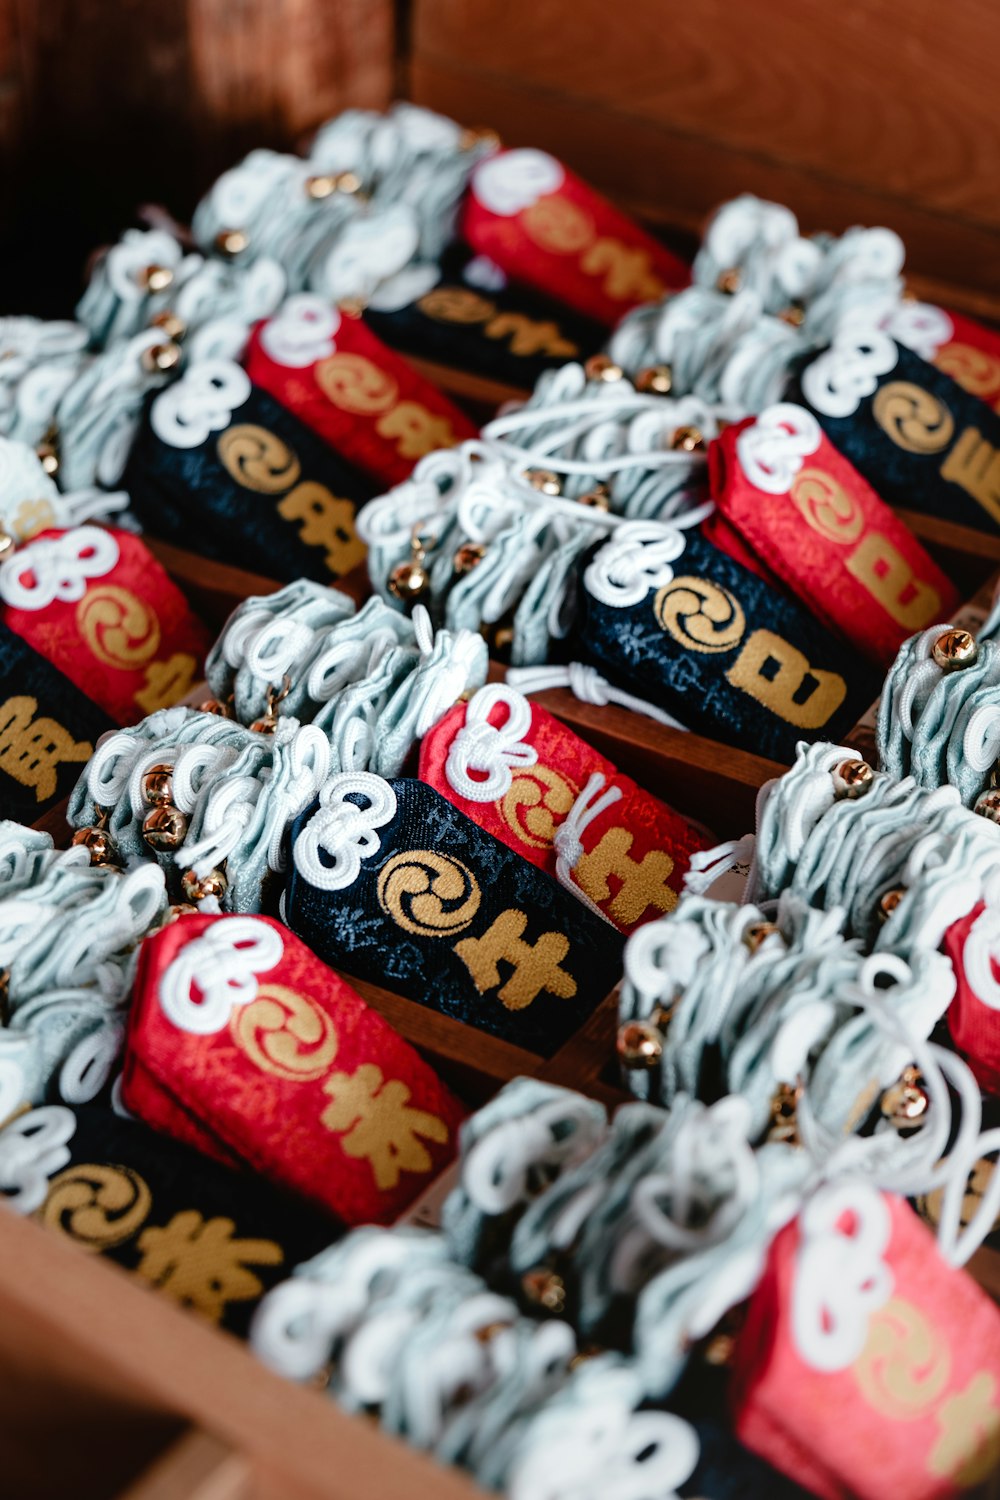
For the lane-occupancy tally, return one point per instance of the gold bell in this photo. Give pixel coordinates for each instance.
(639, 1044)
(544, 481)
(687, 440)
(757, 933)
(794, 314)
(479, 135)
(158, 784)
(322, 185)
(599, 498)
(348, 182)
(729, 281)
(99, 844)
(8, 546)
(172, 327)
(954, 649)
(655, 380)
(888, 903)
(905, 1103)
(545, 1288)
(214, 706)
(269, 722)
(159, 359)
(155, 278)
(988, 804)
(468, 556)
(199, 888)
(852, 778)
(164, 828)
(231, 241)
(410, 580)
(48, 456)
(4, 997)
(784, 1114)
(603, 367)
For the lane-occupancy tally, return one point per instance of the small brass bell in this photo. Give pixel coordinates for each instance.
(757, 933)
(231, 241)
(199, 888)
(687, 440)
(905, 1103)
(639, 1044)
(269, 722)
(322, 185)
(544, 481)
(172, 327)
(99, 844)
(794, 314)
(784, 1114)
(545, 1288)
(155, 278)
(488, 1332)
(479, 135)
(48, 456)
(4, 997)
(954, 649)
(729, 282)
(348, 182)
(8, 546)
(214, 706)
(603, 367)
(158, 784)
(598, 498)
(468, 556)
(655, 380)
(164, 828)
(662, 1016)
(159, 359)
(409, 581)
(988, 804)
(852, 778)
(888, 903)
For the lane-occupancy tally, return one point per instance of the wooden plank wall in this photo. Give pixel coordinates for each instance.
(106, 104)
(871, 111)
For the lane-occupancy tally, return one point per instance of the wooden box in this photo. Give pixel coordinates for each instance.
(107, 1390)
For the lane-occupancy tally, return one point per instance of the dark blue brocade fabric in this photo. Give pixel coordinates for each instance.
(48, 731)
(189, 497)
(448, 916)
(928, 445)
(753, 669)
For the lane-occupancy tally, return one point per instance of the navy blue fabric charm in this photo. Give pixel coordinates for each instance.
(674, 620)
(219, 467)
(393, 884)
(48, 731)
(212, 1239)
(508, 334)
(726, 1470)
(919, 439)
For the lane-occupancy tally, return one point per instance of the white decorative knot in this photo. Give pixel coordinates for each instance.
(601, 1448)
(32, 1149)
(229, 810)
(841, 1278)
(512, 181)
(216, 973)
(771, 450)
(496, 1171)
(488, 748)
(302, 331)
(568, 841)
(201, 402)
(329, 850)
(921, 326)
(57, 568)
(636, 559)
(837, 380)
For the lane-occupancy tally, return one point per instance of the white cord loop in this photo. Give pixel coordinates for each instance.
(495, 751)
(216, 973)
(329, 850)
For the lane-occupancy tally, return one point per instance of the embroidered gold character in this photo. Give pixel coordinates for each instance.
(641, 883)
(975, 371)
(968, 1445)
(974, 464)
(166, 682)
(198, 1263)
(31, 749)
(628, 275)
(780, 677)
(535, 967)
(530, 335)
(379, 1125)
(415, 430)
(888, 577)
(326, 522)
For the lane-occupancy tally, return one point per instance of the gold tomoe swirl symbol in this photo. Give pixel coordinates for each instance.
(258, 460)
(701, 616)
(905, 1364)
(355, 384)
(121, 630)
(428, 893)
(534, 801)
(912, 417)
(558, 225)
(974, 370)
(827, 507)
(97, 1206)
(455, 304)
(285, 1034)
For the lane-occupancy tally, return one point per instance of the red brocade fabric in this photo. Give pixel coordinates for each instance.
(550, 231)
(365, 400)
(973, 945)
(303, 1082)
(831, 540)
(916, 1412)
(636, 853)
(972, 358)
(124, 636)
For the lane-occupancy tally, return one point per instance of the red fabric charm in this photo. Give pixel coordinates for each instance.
(867, 1365)
(717, 530)
(973, 945)
(548, 229)
(635, 852)
(366, 401)
(98, 605)
(242, 1044)
(800, 506)
(971, 356)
